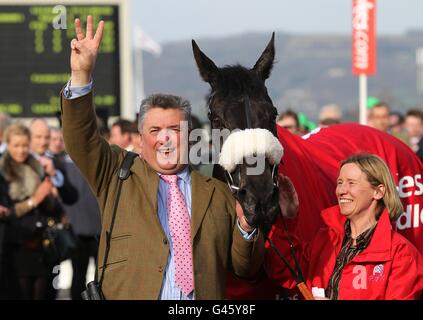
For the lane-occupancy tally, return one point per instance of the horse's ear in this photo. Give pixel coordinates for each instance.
(264, 64)
(206, 66)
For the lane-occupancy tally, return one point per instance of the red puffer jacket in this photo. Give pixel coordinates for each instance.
(389, 268)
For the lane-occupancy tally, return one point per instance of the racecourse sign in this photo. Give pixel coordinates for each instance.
(363, 37)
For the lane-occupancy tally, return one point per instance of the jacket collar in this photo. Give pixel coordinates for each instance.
(379, 248)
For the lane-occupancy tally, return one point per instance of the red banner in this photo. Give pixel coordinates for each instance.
(363, 37)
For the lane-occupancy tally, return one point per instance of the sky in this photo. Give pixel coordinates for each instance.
(173, 20)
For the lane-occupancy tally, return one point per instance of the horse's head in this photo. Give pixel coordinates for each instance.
(239, 100)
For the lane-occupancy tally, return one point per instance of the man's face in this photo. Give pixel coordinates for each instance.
(379, 118)
(40, 137)
(289, 123)
(123, 140)
(414, 126)
(57, 144)
(164, 140)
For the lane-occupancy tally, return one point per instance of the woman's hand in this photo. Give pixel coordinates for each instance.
(288, 197)
(42, 191)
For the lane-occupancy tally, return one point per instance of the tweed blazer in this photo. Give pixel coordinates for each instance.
(139, 248)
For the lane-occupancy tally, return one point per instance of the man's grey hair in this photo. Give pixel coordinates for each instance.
(165, 101)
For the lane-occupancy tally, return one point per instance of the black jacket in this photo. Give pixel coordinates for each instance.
(68, 192)
(5, 201)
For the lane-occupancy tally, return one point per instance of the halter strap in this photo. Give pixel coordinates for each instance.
(247, 107)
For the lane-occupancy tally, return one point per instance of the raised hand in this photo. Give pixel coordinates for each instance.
(84, 51)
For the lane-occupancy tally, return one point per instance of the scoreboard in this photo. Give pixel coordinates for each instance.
(34, 56)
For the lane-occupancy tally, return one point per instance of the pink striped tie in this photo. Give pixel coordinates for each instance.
(180, 231)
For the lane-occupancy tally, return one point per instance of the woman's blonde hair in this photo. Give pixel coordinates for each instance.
(377, 173)
(15, 129)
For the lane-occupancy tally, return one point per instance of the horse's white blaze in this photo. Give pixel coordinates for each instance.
(249, 142)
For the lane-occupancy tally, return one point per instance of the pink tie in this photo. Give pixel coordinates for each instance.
(180, 231)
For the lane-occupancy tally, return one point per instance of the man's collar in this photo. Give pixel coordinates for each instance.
(184, 174)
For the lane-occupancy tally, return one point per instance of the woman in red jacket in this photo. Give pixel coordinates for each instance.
(358, 255)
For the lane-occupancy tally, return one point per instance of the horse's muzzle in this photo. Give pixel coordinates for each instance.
(260, 212)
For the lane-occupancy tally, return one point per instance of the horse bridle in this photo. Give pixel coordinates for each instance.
(228, 176)
(234, 188)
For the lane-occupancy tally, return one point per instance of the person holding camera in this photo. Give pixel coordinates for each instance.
(176, 232)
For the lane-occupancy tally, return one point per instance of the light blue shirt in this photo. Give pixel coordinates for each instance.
(71, 92)
(169, 290)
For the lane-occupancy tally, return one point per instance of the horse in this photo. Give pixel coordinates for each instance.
(238, 99)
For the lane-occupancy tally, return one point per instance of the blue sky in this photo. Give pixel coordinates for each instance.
(169, 20)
